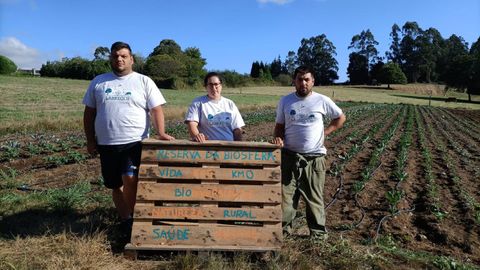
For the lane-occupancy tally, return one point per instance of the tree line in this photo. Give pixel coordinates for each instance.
(168, 65)
(414, 55)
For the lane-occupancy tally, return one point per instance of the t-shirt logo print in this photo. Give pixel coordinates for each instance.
(302, 117)
(292, 115)
(219, 120)
(122, 96)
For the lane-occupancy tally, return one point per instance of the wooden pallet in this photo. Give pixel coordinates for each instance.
(212, 196)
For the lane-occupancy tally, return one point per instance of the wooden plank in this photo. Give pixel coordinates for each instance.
(170, 172)
(209, 213)
(150, 247)
(196, 156)
(210, 143)
(205, 236)
(203, 222)
(205, 192)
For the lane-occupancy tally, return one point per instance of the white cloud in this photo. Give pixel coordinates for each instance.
(22, 55)
(278, 2)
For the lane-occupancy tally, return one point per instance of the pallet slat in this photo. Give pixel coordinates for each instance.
(206, 192)
(195, 156)
(199, 235)
(172, 172)
(218, 247)
(208, 213)
(210, 144)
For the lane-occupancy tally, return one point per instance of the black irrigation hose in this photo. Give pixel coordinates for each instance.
(379, 165)
(28, 188)
(335, 196)
(397, 185)
(362, 210)
(357, 203)
(388, 217)
(25, 187)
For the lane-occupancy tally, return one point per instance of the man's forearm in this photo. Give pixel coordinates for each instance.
(158, 120)
(89, 124)
(279, 131)
(335, 124)
(237, 134)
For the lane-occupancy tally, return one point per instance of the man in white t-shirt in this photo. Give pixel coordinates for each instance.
(299, 129)
(118, 106)
(213, 117)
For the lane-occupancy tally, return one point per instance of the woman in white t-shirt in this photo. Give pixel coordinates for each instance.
(213, 117)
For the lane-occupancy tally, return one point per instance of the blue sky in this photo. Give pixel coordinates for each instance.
(231, 34)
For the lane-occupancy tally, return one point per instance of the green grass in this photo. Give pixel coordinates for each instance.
(35, 104)
(406, 94)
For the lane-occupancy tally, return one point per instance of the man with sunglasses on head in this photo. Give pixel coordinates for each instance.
(300, 131)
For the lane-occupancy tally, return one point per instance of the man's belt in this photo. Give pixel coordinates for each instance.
(304, 155)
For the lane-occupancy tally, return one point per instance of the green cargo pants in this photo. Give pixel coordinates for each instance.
(303, 175)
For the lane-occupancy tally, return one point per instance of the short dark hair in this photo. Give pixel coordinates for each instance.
(120, 45)
(209, 75)
(304, 70)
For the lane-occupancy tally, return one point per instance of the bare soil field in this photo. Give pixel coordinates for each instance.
(402, 190)
(403, 177)
(438, 210)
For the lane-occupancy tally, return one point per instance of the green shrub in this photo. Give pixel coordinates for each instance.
(392, 74)
(7, 66)
(284, 79)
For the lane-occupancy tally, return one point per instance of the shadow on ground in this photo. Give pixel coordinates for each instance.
(445, 99)
(371, 87)
(40, 222)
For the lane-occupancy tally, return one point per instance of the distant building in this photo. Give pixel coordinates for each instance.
(33, 71)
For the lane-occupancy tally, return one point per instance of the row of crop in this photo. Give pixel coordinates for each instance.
(359, 142)
(469, 128)
(464, 197)
(356, 115)
(358, 145)
(338, 166)
(468, 200)
(399, 174)
(434, 200)
(40, 144)
(375, 159)
(458, 127)
(453, 128)
(468, 156)
(471, 119)
(374, 162)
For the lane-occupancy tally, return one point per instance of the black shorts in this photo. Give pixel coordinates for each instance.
(119, 160)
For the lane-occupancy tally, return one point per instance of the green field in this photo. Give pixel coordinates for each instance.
(55, 212)
(29, 104)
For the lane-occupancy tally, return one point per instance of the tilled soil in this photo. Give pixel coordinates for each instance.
(451, 138)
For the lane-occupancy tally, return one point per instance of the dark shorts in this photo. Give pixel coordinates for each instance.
(119, 160)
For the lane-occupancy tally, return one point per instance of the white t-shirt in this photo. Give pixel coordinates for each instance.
(216, 119)
(122, 105)
(303, 120)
